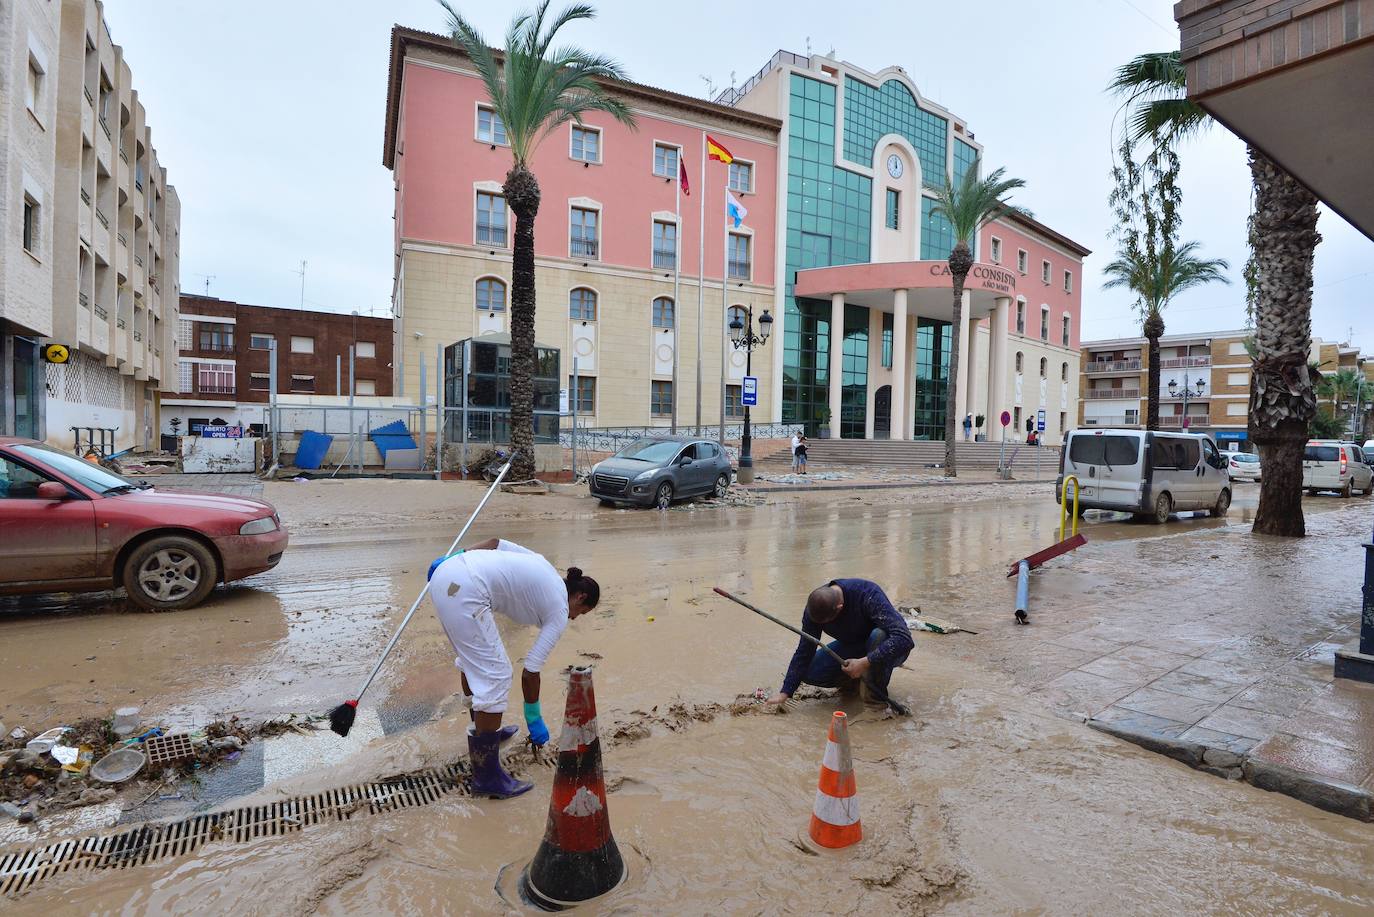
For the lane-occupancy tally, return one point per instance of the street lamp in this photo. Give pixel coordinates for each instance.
(744, 338)
(1186, 393)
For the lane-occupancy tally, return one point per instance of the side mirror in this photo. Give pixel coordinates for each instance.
(51, 490)
(684, 460)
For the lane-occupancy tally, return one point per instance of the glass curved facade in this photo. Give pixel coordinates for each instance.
(870, 113)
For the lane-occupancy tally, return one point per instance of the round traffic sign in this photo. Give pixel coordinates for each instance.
(56, 353)
(1006, 418)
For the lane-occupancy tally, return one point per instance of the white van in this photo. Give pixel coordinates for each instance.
(1148, 474)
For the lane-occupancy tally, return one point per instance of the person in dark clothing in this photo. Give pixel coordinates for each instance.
(869, 633)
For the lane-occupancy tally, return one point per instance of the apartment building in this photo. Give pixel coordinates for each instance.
(1204, 384)
(224, 361)
(89, 257)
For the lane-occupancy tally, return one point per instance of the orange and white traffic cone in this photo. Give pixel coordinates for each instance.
(578, 858)
(835, 817)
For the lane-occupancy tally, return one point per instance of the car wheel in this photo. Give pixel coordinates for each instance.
(1223, 504)
(1347, 490)
(722, 486)
(1164, 505)
(663, 497)
(1311, 491)
(169, 573)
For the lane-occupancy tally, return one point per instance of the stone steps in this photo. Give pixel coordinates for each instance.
(899, 454)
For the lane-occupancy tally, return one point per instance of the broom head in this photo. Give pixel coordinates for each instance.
(341, 717)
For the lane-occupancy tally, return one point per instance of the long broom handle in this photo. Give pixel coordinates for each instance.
(425, 591)
(759, 611)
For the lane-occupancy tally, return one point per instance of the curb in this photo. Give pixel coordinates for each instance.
(1332, 795)
(818, 488)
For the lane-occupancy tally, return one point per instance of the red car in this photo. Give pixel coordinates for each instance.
(68, 525)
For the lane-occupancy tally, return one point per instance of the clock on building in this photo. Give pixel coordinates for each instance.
(894, 166)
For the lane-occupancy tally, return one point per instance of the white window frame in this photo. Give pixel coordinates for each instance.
(1066, 329)
(1046, 271)
(31, 229)
(677, 152)
(1068, 281)
(1244, 378)
(1022, 261)
(477, 192)
(260, 334)
(596, 304)
(573, 128)
(297, 347)
(741, 162)
(1020, 315)
(477, 126)
(995, 250)
(359, 383)
(665, 220)
(744, 235)
(371, 353)
(582, 204)
(291, 385)
(1237, 409)
(653, 322)
(1045, 323)
(218, 370)
(35, 80)
(505, 294)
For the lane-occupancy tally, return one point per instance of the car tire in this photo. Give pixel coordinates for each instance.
(1347, 490)
(663, 496)
(605, 502)
(1222, 505)
(1164, 506)
(722, 486)
(169, 573)
(1311, 491)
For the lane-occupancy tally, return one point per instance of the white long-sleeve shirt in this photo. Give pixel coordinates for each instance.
(526, 588)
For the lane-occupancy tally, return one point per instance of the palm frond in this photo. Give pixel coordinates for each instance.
(1157, 280)
(975, 202)
(1154, 91)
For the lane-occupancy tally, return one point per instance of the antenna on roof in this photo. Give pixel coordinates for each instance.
(710, 86)
(808, 46)
(302, 273)
(732, 82)
(208, 278)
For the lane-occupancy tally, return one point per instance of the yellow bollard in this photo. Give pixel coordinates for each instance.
(1064, 507)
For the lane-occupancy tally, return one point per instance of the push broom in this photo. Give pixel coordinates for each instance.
(341, 717)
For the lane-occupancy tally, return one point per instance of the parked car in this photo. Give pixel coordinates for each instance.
(1330, 464)
(656, 471)
(1243, 466)
(68, 525)
(1150, 475)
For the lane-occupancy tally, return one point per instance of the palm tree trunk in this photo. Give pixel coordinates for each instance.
(1154, 330)
(960, 261)
(522, 195)
(1282, 400)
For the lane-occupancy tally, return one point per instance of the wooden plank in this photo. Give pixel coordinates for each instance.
(1053, 551)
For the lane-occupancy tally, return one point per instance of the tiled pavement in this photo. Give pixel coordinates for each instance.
(239, 485)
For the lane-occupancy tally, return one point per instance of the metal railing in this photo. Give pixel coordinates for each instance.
(1117, 420)
(85, 196)
(104, 126)
(1106, 394)
(491, 234)
(83, 299)
(122, 239)
(104, 220)
(89, 98)
(138, 335)
(119, 323)
(613, 439)
(138, 259)
(123, 156)
(739, 270)
(1176, 420)
(1185, 362)
(101, 313)
(1113, 366)
(731, 96)
(583, 248)
(665, 258)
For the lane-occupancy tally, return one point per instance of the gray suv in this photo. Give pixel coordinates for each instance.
(657, 471)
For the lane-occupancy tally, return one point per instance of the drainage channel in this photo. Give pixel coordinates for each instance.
(21, 870)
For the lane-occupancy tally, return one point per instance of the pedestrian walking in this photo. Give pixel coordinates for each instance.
(799, 454)
(469, 589)
(796, 441)
(968, 427)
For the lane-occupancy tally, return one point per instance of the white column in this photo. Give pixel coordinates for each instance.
(997, 368)
(962, 399)
(971, 402)
(836, 360)
(899, 378)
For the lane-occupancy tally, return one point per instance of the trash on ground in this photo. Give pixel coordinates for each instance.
(118, 766)
(45, 742)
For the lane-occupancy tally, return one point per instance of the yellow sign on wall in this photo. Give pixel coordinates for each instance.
(56, 353)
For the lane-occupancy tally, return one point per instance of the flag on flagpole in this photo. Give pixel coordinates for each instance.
(682, 177)
(715, 151)
(734, 210)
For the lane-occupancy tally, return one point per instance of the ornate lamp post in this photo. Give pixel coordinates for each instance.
(743, 336)
(1186, 392)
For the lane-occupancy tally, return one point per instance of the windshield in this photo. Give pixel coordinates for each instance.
(650, 450)
(1245, 457)
(86, 473)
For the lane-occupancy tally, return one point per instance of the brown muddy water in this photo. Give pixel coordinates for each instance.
(982, 802)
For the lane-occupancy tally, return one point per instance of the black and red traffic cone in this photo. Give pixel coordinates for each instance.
(578, 859)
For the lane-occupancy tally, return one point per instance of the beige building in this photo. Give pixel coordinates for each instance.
(90, 252)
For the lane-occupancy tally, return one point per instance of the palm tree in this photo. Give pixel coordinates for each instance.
(1283, 240)
(968, 207)
(1155, 281)
(533, 88)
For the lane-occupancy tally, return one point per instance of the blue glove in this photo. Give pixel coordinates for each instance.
(534, 720)
(437, 561)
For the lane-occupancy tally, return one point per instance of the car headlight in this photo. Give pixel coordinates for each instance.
(646, 475)
(259, 526)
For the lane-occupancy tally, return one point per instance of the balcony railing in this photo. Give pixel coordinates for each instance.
(1113, 366)
(121, 238)
(583, 248)
(101, 314)
(124, 157)
(119, 323)
(665, 258)
(739, 270)
(138, 259)
(1184, 362)
(216, 388)
(138, 335)
(85, 196)
(83, 299)
(1115, 420)
(104, 126)
(1106, 394)
(104, 220)
(1176, 420)
(89, 98)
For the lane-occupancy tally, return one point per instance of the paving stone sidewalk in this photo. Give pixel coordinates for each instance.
(239, 485)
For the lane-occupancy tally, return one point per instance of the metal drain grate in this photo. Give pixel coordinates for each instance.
(21, 870)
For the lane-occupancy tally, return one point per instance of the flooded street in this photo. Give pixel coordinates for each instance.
(988, 800)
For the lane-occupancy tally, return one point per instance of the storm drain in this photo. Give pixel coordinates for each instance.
(21, 870)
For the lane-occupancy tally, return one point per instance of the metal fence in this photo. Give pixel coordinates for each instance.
(337, 420)
(613, 439)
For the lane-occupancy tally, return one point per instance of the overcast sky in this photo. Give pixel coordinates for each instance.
(269, 116)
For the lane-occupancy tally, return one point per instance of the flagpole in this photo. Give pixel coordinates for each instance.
(677, 266)
(701, 276)
(724, 317)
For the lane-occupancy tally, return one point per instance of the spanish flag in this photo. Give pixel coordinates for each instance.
(715, 151)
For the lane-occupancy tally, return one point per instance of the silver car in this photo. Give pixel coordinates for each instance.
(657, 471)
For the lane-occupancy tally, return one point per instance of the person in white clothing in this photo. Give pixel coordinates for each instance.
(796, 441)
(468, 590)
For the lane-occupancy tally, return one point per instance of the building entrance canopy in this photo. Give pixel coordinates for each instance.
(928, 284)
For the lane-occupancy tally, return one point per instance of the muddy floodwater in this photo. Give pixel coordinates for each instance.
(984, 801)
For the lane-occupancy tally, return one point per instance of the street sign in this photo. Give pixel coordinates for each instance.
(56, 353)
(1040, 421)
(1006, 418)
(749, 394)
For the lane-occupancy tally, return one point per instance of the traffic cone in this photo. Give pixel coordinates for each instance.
(578, 858)
(835, 816)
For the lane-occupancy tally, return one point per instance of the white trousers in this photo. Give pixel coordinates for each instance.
(465, 613)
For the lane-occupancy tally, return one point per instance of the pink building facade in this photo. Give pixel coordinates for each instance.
(621, 282)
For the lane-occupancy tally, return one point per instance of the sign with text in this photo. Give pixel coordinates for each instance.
(749, 393)
(213, 431)
(1040, 421)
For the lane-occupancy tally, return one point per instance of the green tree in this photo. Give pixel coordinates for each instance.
(1155, 280)
(533, 88)
(968, 207)
(1283, 240)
